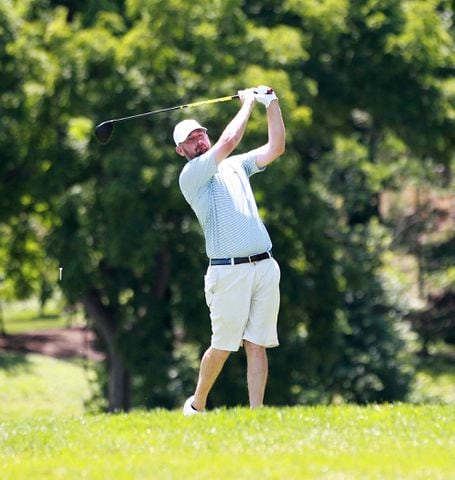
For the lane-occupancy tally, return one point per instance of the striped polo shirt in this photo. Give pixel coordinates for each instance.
(222, 198)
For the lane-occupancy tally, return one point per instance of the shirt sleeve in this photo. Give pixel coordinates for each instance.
(196, 174)
(248, 163)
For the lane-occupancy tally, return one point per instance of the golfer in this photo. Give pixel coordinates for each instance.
(242, 279)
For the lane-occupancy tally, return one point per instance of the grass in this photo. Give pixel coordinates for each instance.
(342, 442)
(20, 317)
(45, 434)
(28, 321)
(34, 385)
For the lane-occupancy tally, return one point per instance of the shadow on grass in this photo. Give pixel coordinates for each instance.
(46, 316)
(13, 362)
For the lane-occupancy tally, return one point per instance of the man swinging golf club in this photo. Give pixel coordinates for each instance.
(242, 279)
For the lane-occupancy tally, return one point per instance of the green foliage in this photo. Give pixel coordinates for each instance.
(435, 378)
(366, 92)
(392, 441)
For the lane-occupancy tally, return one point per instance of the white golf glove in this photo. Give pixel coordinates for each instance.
(264, 95)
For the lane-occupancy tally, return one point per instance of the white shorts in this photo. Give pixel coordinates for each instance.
(243, 301)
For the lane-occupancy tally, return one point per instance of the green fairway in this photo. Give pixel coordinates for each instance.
(45, 434)
(20, 317)
(375, 442)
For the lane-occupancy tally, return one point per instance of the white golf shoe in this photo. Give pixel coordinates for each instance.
(188, 408)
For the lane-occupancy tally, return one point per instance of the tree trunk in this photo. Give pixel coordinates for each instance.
(119, 384)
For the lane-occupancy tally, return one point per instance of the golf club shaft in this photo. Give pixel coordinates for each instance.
(177, 107)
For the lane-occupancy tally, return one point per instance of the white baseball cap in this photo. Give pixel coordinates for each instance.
(184, 128)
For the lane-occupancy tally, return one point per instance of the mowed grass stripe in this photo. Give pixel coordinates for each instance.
(390, 441)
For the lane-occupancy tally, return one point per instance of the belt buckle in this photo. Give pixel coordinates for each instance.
(249, 258)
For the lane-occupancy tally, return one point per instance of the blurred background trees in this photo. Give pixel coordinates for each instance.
(367, 93)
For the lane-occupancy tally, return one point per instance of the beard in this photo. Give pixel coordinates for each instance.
(201, 149)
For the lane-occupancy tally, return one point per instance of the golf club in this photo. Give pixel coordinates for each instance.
(103, 131)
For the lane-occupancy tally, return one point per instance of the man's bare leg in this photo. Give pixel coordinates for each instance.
(257, 371)
(211, 365)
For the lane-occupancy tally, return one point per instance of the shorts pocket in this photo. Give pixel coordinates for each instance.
(210, 280)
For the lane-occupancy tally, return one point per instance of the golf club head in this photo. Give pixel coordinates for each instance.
(103, 131)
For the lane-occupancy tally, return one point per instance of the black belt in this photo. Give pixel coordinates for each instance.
(236, 261)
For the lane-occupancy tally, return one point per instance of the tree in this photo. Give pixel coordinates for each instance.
(355, 80)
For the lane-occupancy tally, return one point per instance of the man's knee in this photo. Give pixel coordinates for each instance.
(216, 353)
(251, 347)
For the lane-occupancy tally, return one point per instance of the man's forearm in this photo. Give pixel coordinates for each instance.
(236, 127)
(276, 129)
(234, 131)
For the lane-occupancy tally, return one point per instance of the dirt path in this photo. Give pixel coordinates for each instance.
(65, 343)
